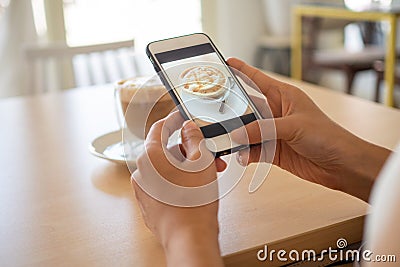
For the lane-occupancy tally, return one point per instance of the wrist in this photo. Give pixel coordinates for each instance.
(194, 246)
(362, 164)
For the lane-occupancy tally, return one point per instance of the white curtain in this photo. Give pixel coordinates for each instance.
(16, 28)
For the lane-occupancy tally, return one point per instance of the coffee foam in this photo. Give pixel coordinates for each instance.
(146, 90)
(206, 81)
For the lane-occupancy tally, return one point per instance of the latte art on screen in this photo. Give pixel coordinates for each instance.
(204, 81)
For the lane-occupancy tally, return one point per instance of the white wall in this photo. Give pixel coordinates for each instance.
(234, 25)
(16, 28)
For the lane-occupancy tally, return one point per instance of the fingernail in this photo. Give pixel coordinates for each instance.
(239, 158)
(189, 125)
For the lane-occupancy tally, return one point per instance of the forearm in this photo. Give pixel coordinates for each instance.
(193, 248)
(364, 161)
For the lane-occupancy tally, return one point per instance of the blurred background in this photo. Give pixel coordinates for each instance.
(101, 41)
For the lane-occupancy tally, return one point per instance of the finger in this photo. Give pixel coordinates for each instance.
(141, 197)
(156, 150)
(138, 191)
(178, 152)
(263, 81)
(220, 164)
(199, 158)
(163, 129)
(191, 138)
(262, 106)
(269, 87)
(264, 130)
(246, 156)
(173, 122)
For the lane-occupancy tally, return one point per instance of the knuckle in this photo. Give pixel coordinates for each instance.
(192, 133)
(153, 148)
(254, 130)
(157, 124)
(140, 163)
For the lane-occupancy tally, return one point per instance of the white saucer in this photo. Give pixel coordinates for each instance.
(110, 147)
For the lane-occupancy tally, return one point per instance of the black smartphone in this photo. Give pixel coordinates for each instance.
(204, 88)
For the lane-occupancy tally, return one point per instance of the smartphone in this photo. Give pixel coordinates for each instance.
(203, 88)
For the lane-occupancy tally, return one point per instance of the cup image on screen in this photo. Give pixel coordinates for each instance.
(204, 81)
(207, 89)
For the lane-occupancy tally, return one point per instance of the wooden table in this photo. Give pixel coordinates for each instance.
(389, 15)
(61, 206)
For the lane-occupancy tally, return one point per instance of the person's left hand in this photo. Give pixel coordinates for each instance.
(190, 229)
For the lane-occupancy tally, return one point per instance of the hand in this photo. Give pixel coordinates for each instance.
(310, 145)
(189, 235)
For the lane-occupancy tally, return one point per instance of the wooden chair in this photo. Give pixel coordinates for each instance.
(58, 66)
(379, 67)
(275, 43)
(349, 62)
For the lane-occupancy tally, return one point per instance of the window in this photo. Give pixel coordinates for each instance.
(89, 22)
(101, 21)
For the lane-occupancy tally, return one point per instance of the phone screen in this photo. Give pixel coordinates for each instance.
(207, 89)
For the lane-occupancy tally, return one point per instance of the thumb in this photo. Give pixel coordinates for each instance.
(191, 138)
(264, 130)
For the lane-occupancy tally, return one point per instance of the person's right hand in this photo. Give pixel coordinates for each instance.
(310, 145)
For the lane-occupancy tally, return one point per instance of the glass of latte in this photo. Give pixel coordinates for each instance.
(140, 102)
